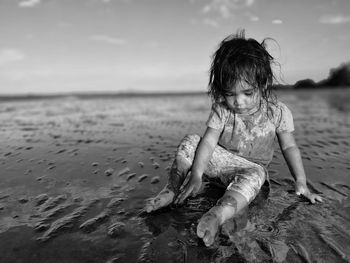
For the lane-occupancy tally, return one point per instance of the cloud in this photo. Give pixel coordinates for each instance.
(334, 19)
(109, 39)
(10, 55)
(226, 8)
(253, 18)
(210, 22)
(29, 3)
(277, 21)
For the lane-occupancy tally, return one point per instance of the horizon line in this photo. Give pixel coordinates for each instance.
(123, 94)
(96, 94)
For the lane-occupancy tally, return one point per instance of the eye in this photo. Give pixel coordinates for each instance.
(229, 94)
(249, 93)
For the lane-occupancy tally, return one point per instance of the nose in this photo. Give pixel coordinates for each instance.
(238, 100)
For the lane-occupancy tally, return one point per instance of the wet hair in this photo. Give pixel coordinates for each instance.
(240, 59)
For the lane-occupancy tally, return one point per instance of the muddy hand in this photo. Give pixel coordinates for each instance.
(302, 189)
(190, 186)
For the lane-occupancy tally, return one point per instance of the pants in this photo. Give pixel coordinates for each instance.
(234, 172)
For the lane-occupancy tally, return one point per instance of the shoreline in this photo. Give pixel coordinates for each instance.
(113, 95)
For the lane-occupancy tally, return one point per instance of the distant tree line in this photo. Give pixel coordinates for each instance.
(339, 76)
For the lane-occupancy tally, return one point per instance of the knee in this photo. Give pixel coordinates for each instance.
(260, 174)
(248, 184)
(189, 143)
(192, 139)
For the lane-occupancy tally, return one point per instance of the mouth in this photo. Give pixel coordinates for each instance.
(239, 110)
(244, 110)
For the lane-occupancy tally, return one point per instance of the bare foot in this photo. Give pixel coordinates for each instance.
(208, 227)
(164, 198)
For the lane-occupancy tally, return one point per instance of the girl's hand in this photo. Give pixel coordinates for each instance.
(302, 189)
(190, 186)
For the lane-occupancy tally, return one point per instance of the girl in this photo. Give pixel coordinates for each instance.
(237, 145)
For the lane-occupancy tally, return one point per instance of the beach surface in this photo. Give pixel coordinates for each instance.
(74, 174)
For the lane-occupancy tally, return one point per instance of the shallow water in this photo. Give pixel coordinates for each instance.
(61, 202)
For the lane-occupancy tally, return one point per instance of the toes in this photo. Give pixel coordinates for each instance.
(208, 239)
(155, 204)
(202, 228)
(149, 207)
(151, 204)
(207, 229)
(318, 198)
(162, 200)
(200, 231)
(149, 201)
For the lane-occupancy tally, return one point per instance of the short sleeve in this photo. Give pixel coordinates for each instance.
(216, 118)
(285, 123)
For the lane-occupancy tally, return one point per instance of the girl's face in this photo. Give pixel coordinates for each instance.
(243, 98)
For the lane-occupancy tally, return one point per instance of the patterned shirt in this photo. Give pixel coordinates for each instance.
(251, 136)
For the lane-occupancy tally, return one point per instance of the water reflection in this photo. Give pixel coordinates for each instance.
(340, 102)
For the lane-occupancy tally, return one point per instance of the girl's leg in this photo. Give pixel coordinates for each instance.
(179, 169)
(239, 193)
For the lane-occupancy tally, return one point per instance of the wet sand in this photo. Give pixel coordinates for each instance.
(75, 173)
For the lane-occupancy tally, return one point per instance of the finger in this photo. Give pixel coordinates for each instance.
(318, 198)
(185, 194)
(309, 196)
(183, 186)
(312, 200)
(180, 196)
(194, 193)
(185, 182)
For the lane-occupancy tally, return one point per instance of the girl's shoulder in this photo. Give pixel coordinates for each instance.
(280, 113)
(218, 116)
(221, 111)
(277, 106)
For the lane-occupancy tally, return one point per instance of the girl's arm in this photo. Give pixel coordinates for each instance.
(292, 156)
(204, 151)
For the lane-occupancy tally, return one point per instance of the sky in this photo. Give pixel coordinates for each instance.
(59, 46)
